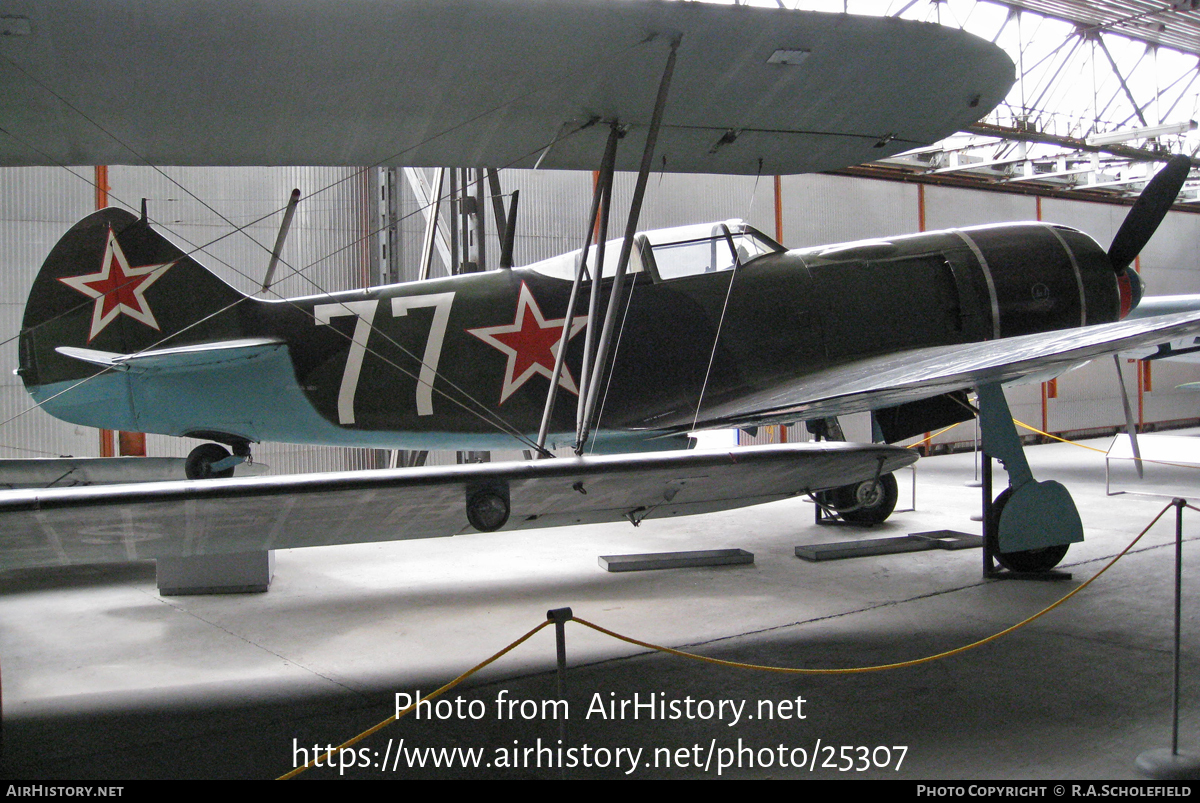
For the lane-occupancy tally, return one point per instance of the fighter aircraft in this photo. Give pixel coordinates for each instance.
(722, 327)
(718, 324)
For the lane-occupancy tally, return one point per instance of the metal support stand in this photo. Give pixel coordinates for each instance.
(1130, 423)
(560, 617)
(1161, 763)
(225, 573)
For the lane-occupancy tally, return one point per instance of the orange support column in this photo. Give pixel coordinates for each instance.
(113, 443)
(132, 444)
(107, 443)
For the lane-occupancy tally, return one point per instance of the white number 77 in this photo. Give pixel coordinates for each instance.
(365, 312)
(433, 346)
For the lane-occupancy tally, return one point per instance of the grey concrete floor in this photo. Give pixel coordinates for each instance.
(104, 679)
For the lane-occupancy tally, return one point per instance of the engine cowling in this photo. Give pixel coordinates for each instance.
(1043, 277)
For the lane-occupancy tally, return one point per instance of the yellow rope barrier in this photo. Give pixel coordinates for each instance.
(1055, 437)
(881, 667)
(430, 696)
(1101, 451)
(735, 664)
(928, 438)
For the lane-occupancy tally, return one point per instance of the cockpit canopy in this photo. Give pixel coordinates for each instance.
(673, 253)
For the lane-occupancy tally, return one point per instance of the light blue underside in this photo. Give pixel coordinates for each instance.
(257, 398)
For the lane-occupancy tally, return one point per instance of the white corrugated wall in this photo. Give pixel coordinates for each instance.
(329, 249)
(37, 206)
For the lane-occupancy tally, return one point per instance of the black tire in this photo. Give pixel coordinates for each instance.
(200, 460)
(867, 502)
(1025, 561)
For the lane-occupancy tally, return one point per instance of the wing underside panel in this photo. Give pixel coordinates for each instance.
(475, 82)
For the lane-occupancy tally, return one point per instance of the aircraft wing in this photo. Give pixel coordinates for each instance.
(179, 519)
(908, 376)
(478, 82)
(1184, 349)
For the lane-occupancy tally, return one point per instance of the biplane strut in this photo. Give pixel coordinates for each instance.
(593, 367)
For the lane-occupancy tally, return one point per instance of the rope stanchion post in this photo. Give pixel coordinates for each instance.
(975, 483)
(560, 617)
(1163, 764)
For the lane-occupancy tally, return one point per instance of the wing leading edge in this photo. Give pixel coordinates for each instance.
(181, 519)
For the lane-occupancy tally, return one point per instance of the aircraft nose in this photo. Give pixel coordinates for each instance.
(1132, 287)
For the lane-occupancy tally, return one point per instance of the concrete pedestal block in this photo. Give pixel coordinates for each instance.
(234, 573)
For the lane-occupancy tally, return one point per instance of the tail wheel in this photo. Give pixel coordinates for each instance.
(200, 461)
(867, 502)
(1029, 560)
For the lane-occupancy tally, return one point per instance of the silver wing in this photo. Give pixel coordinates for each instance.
(181, 519)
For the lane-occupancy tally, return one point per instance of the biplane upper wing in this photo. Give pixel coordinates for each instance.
(478, 82)
(906, 376)
(180, 519)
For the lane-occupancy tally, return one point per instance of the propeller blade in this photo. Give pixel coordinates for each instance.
(1148, 211)
(1129, 425)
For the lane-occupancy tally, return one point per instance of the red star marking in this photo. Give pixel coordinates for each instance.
(531, 343)
(117, 288)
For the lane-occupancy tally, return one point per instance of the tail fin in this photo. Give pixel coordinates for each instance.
(114, 284)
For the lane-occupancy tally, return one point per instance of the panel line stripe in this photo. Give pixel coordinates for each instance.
(987, 275)
(1078, 275)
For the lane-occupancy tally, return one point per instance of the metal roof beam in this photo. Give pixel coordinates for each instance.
(1073, 143)
(1121, 78)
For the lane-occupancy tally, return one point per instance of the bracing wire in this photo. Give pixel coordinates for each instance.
(486, 413)
(737, 264)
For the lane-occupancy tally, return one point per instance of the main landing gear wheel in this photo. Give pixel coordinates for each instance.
(1029, 560)
(867, 502)
(200, 461)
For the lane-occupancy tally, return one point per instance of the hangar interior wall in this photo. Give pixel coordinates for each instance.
(338, 224)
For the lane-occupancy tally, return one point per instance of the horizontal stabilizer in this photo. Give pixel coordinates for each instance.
(198, 356)
(181, 519)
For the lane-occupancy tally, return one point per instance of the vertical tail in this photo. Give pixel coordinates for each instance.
(113, 284)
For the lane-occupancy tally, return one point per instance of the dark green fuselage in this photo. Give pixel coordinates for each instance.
(346, 368)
